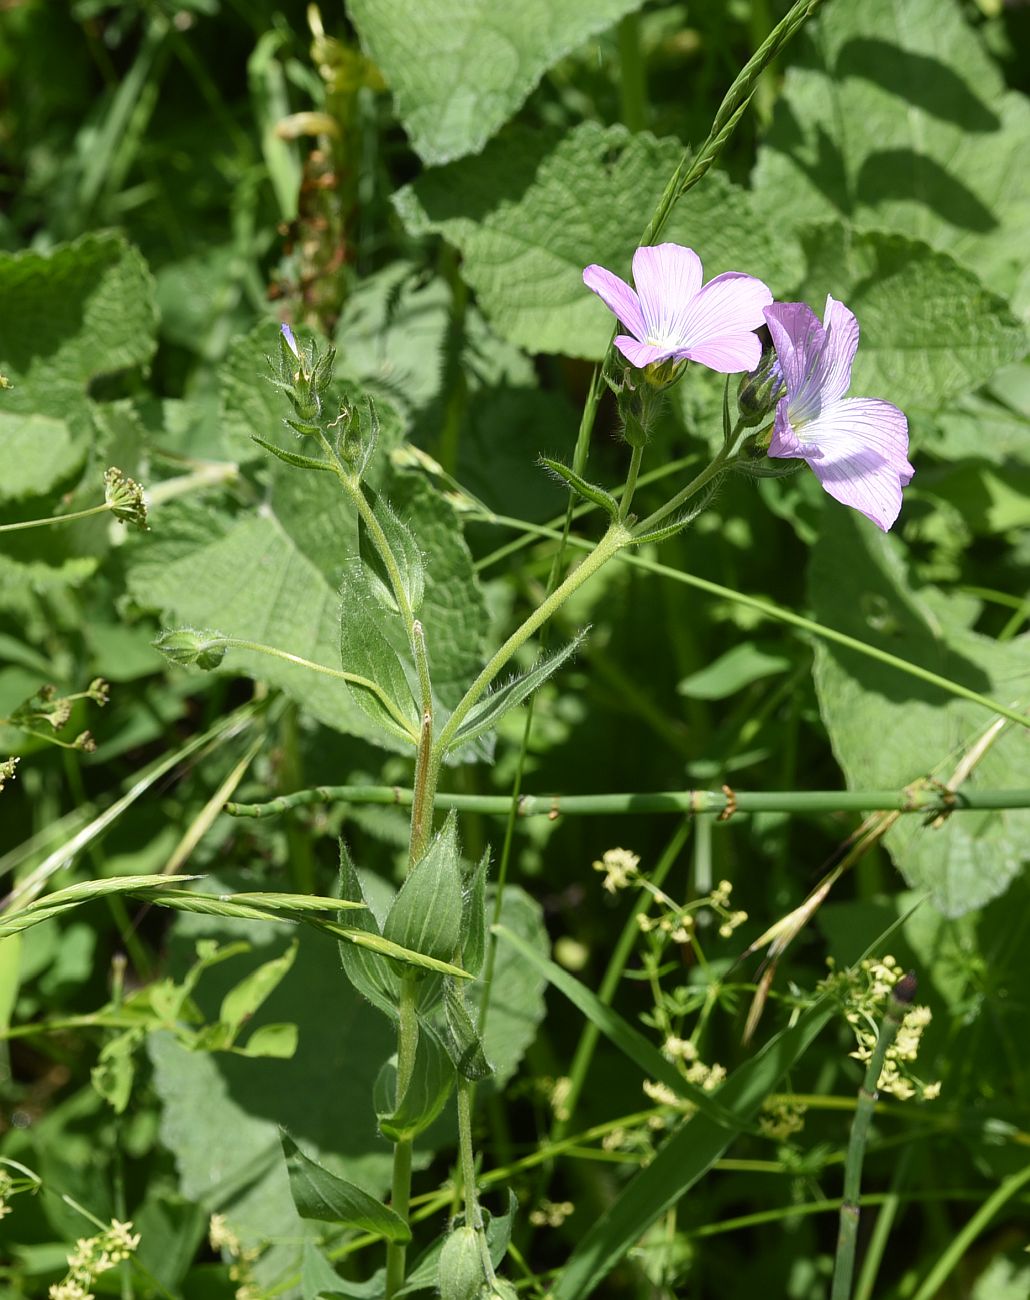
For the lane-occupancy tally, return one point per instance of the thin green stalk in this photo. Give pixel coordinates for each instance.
(54, 519)
(301, 857)
(958, 1246)
(632, 74)
(400, 1200)
(352, 679)
(926, 800)
(631, 483)
(589, 1035)
(717, 466)
(847, 1238)
(882, 1230)
(610, 544)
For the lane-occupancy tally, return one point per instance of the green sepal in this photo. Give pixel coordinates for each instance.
(291, 457)
(473, 917)
(320, 1195)
(487, 712)
(426, 914)
(464, 1045)
(432, 1077)
(374, 977)
(405, 550)
(589, 491)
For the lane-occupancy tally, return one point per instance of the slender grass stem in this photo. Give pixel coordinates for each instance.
(930, 800)
(847, 1238)
(632, 74)
(958, 1246)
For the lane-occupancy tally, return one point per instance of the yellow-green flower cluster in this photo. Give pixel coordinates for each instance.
(551, 1214)
(619, 867)
(241, 1258)
(7, 770)
(866, 991)
(6, 1188)
(781, 1119)
(93, 1256)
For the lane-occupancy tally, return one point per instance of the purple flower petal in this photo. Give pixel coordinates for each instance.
(727, 355)
(668, 278)
(618, 297)
(641, 354)
(291, 341)
(784, 441)
(838, 353)
(797, 335)
(858, 449)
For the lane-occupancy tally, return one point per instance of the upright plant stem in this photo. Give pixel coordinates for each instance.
(847, 1238)
(632, 74)
(631, 483)
(400, 1200)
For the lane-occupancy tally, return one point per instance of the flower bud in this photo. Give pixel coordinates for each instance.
(191, 648)
(760, 390)
(7, 770)
(663, 374)
(461, 1266)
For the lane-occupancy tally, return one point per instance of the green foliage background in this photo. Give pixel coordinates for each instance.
(165, 206)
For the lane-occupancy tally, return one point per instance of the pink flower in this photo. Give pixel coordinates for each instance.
(857, 446)
(670, 316)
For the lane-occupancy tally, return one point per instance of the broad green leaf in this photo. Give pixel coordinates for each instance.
(537, 207)
(426, 914)
(275, 1041)
(319, 1194)
(84, 310)
(888, 730)
(684, 1158)
(432, 1078)
(930, 330)
(732, 671)
(487, 713)
(458, 69)
(898, 119)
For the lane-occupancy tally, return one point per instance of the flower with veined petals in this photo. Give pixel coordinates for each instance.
(291, 342)
(857, 446)
(671, 317)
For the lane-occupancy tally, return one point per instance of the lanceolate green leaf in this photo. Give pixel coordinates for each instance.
(432, 1078)
(684, 1158)
(405, 549)
(318, 1194)
(485, 715)
(426, 914)
(374, 978)
(366, 649)
(588, 491)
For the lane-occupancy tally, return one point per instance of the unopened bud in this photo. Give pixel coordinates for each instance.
(461, 1266)
(99, 691)
(760, 390)
(663, 374)
(192, 648)
(84, 741)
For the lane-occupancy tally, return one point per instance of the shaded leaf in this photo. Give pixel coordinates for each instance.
(318, 1194)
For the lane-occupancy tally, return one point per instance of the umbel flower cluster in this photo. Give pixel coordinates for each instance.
(857, 446)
